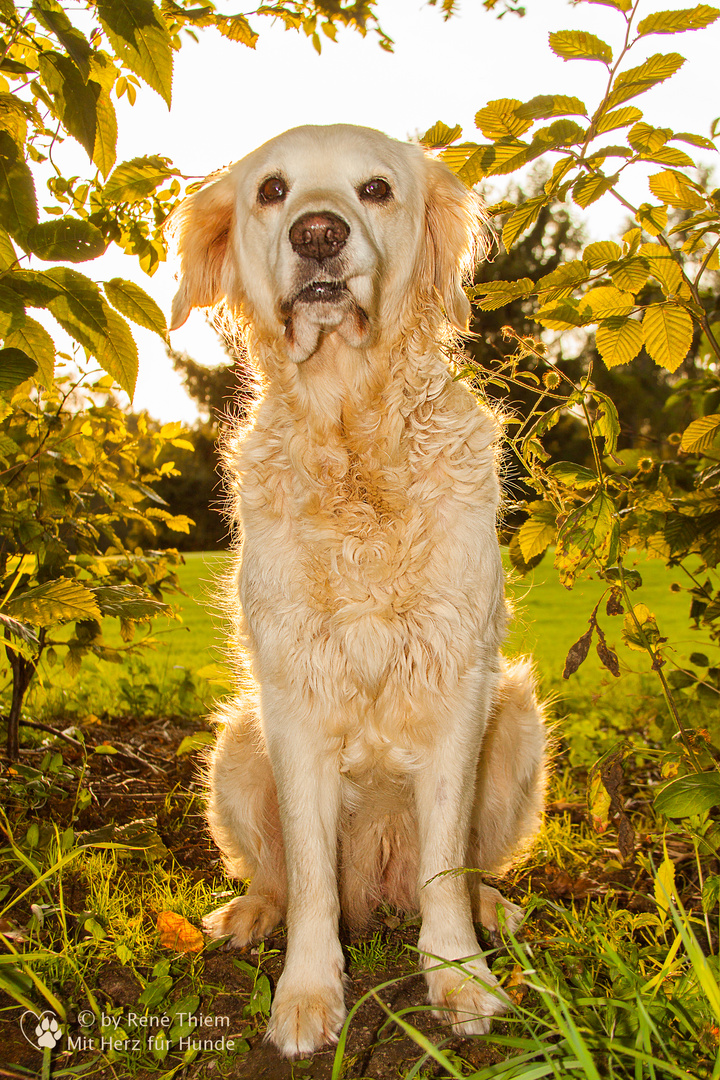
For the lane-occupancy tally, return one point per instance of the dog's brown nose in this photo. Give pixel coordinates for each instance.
(319, 236)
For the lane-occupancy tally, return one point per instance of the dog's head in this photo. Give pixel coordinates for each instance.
(328, 230)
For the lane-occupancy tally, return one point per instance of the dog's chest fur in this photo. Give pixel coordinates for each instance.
(374, 551)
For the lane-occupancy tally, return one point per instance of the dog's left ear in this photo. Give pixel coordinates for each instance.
(200, 230)
(456, 237)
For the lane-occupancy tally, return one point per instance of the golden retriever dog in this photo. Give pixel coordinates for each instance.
(386, 742)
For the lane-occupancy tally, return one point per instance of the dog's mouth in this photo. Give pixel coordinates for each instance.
(321, 292)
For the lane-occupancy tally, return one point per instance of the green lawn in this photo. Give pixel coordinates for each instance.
(548, 619)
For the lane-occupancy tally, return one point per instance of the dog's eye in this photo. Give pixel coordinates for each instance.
(272, 190)
(376, 190)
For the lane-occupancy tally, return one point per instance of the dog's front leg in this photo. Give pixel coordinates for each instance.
(464, 994)
(308, 1009)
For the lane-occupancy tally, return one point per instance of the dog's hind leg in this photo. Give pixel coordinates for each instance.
(243, 817)
(510, 788)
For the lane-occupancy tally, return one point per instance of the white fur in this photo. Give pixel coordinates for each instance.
(385, 740)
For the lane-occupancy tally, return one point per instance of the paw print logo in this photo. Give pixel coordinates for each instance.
(43, 1032)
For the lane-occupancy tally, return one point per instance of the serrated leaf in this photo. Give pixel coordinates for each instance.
(135, 304)
(139, 36)
(673, 22)
(62, 600)
(674, 189)
(18, 205)
(607, 423)
(652, 218)
(588, 189)
(177, 934)
(561, 314)
(619, 341)
(128, 602)
(701, 435)
(647, 138)
(34, 340)
(8, 255)
(68, 239)
(440, 135)
(496, 159)
(667, 331)
(15, 367)
(237, 28)
(525, 215)
(106, 133)
(606, 301)
(499, 120)
(577, 654)
(561, 133)
(580, 45)
(538, 532)
(495, 294)
(562, 281)
(134, 180)
(456, 156)
(601, 253)
(694, 140)
(81, 310)
(620, 118)
(546, 105)
(75, 100)
(663, 267)
(687, 796)
(53, 18)
(630, 274)
(669, 155)
(637, 80)
(18, 629)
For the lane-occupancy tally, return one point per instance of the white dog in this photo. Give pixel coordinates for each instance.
(386, 741)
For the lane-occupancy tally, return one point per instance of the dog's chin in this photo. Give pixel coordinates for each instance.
(321, 309)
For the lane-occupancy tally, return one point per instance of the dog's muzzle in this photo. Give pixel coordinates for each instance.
(318, 236)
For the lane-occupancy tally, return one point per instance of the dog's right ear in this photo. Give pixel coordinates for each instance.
(200, 229)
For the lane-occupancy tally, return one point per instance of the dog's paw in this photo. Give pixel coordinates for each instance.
(303, 1019)
(485, 904)
(245, 919)
(466, 996)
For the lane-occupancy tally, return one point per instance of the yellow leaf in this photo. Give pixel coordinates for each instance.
(665, 886)
(619, 344)
(668, 334)
(178, 934)
(606, 301)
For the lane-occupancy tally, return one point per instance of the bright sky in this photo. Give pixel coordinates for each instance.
(228, 99)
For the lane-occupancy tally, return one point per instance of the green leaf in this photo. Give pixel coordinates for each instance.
(139, 36)
(546, 105)
(62, 600)
(15, 367)
(135, 304)
(673, 22)
(668, 334)
(34, 286)
(237, 28)
(18, 629)
(634, 81)
(588, 189)
(33, 339)
(701, 435)
(521, 219)
(620, 118)
(128, 602)
(618, 341)
(191, 743)
(687, 796)
(8, 255)
(75, 100)
(18, 206)
(499, 120)
(81, 310)
(440, 135)
(69, 239)
(580, 45)
(134, 180)
(105, 134)
(601, 253)
(53, 18)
